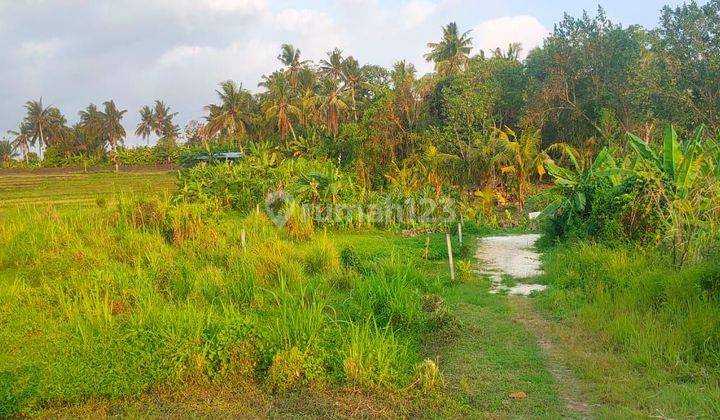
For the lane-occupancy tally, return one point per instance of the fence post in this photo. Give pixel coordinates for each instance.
(450, 257)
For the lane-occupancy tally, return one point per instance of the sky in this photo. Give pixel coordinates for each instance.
(74, 52)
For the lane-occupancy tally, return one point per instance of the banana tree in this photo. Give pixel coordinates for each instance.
(680, 164)
(684, 203)
(569, 195)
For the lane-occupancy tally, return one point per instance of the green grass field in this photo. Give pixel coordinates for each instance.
(128, 306)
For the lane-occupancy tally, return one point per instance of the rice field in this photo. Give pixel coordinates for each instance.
(78, 189)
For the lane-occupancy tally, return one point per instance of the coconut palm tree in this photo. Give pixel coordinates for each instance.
(37, 122)
(163, 125)
(333, 105)
(353, 78)
(21, 140)
(232, 115)
(7, 151)
(147, 121)
(333, 66)
(290, 57)
(91, 123)
(278, 106)
(451, 53)
(113, 129)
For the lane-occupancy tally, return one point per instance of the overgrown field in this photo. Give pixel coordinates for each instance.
(130, 293)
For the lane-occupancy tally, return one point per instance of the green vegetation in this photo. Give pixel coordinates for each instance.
(311, 276)
(649, 333)
(137, 294)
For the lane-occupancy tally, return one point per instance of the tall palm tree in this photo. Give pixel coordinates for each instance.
(333, 105)
(333, 66)
(290, 57)
(113, 129)
(163, 125)
(147, 121)
(352, 75)
(37, 122)
(21, 140)
(91, 122)
(451, 53)
(232, 115)
(278, 106)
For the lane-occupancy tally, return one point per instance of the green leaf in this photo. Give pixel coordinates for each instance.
(644, 150)
(671, 153)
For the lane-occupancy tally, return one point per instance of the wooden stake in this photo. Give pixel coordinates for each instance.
(450, 257)
(426, 252)
(243, 240)
(257, 208)
(460, 233)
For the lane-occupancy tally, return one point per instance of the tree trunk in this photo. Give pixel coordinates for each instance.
(114, 153)
(354, 105)
(42, 142)
(292, 131)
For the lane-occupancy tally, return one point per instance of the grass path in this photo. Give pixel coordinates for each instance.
(493, 366)
(513, 258)
(569, 387)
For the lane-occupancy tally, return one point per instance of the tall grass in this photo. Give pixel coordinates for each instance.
(658, 316)
(113, 300)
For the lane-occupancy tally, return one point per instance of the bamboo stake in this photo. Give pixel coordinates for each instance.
(450, 257)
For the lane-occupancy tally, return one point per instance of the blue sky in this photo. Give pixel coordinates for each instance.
(73, 52)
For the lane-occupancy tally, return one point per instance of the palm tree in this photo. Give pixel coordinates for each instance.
(452, 52)
(91, 122)
(112, 128)
(163, 125)
(7, 151)
(290, 57)
(21, 141)
(147, 121)
(232, 115)
(333, 66)
(523, 157)
(333, 105)
(352, 76)
(37, 122)
(279, 106)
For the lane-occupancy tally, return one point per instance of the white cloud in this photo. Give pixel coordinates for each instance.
(416, 12)
(38, 50)
(500, 32)
(245, 61)
(234, 6)
(303, 21)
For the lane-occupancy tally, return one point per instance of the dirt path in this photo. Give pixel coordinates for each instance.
(568, 385)
(514, 256)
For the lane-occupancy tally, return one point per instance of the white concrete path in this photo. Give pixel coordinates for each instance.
(511, 255)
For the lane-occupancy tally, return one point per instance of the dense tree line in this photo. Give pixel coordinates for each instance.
(476, 118)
